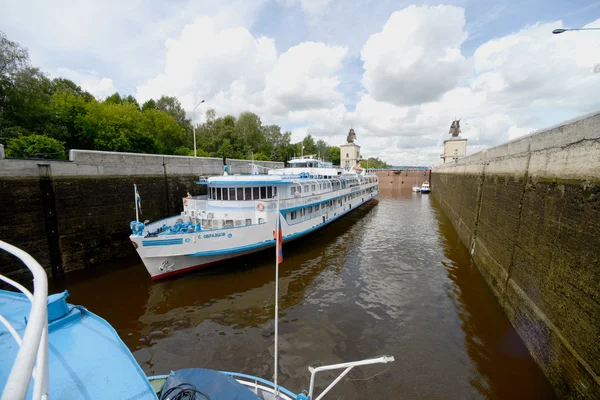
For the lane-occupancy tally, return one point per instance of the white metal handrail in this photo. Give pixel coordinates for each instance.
(348, 366)
(34, 344)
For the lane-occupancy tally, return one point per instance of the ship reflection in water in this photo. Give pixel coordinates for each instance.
(390, 278)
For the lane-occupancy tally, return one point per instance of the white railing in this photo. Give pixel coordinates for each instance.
(348, 366)
(34, 344)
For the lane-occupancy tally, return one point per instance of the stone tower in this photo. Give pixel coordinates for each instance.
(350, 151)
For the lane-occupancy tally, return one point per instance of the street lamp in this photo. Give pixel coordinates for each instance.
(194, 123)
(561, 30)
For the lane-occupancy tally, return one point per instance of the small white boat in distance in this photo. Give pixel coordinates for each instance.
(416, 188)
(425, 187)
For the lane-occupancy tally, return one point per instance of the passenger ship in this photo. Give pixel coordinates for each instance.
(238, 215)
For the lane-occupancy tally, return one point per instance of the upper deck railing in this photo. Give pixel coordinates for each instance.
(33, 349)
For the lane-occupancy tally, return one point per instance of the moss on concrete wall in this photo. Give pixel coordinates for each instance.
(534, 233)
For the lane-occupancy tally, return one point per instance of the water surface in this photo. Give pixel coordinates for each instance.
(390, 278)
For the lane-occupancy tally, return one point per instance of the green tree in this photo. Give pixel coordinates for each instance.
(373, 162)
(63, 85)
(117, 127)
(321, 146)
(68, 109)
(309, 145)
(169, 136)
(249, 135)
(131, 100)
(36, 146)
(149, 105)
(114, 98)
(26, 99)
(172, 106)
(333, 155)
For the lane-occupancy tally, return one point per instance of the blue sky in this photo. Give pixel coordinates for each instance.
(398, 71)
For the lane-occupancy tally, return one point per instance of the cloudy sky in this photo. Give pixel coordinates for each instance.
(397, 71)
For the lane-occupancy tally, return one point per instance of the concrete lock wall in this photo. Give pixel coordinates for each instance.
(75, 214)
(529, 210)
(401, 179)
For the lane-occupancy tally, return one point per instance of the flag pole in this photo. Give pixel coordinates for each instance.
(135, 200)
(276, 295)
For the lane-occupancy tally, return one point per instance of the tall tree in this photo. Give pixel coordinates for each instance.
(172, 106)
(321, 148)
(114, 98)
(26, 100)
(131, 100)
(309, 145)
(68, 109)
(249, 134)
(149, 105)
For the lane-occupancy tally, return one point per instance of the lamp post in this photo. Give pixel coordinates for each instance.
(561, 30)
(194, 123)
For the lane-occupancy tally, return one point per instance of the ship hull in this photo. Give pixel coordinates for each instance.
(176, 254)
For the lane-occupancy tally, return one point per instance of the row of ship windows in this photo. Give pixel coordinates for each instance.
(268, 192)
(293, 215)
(242, 193)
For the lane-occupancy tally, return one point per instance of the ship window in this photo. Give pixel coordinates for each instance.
(305, 188)
(312, 187)
(255, 193)
(240, 193)
(310, 209)
(292, 190)
(261, 220)
(248, 191)
(274, 191)
(263, 192)
(269, 192)
(299, 189)
(218, 190)
(231, 193)
(225, 194)
(293, 215)
(248, 220)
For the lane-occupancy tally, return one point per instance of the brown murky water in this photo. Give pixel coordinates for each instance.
(391, 278)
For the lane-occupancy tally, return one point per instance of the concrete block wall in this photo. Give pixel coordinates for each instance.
(401, 179)
(529, 211)
(75, 214)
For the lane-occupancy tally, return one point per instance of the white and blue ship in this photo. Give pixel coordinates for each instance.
(50, 349)
(237, 216)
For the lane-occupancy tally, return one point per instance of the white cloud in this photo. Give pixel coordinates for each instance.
(416, 57)
(519, 83)
(235, 71)
(208, 61)
(90, 81)
(303, 78)
(121, 39)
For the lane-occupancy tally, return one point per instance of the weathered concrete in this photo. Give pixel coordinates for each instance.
(1, 151)
(74, 214)
(529, 210)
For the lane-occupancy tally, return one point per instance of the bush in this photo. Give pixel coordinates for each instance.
(36, 146)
